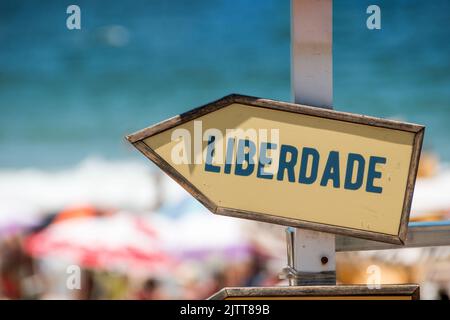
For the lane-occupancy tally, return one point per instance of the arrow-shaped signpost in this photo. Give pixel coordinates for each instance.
(300, 165)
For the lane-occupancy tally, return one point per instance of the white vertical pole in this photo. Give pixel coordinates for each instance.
(311, 52)
(312, 252)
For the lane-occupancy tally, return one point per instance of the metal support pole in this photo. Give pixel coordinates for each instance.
(311, 254)
(312, 52)
(420, 235)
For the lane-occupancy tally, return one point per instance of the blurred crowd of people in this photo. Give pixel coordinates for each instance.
(178, 250)
(26, 276)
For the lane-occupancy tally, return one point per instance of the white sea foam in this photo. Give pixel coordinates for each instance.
(111, 184)
(432, 194)
(132, 185)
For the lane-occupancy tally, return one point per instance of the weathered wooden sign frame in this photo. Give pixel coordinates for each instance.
(340, 292)
(137, 140)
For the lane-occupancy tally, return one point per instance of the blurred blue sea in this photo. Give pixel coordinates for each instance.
(69, 94)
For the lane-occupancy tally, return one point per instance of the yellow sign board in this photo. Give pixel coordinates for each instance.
(341, 292)
(292, 164)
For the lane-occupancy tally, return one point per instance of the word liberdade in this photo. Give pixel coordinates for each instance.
(291, 160)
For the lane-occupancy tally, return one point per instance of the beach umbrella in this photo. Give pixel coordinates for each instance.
(200, 234)
(18, 218)
(119, 242)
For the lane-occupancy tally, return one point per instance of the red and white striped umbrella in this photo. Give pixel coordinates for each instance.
(119, 242)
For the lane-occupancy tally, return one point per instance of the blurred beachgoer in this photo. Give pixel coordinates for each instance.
(443, 295)
(114, 286)
(88, 287)
(19, 278)
(151, 290)
(256, 271)
(216, 283)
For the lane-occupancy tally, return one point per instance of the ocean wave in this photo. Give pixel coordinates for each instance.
(432, 194)
(136, 186)
(95, 181)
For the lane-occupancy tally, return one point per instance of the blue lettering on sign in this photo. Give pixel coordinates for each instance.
(246, 152)
(351, 160)
(229, 157)
(331, 171)
(264, 160)
(209, 156)
(285, 165)
(373, 174)
(288, 165)
(307, 152)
